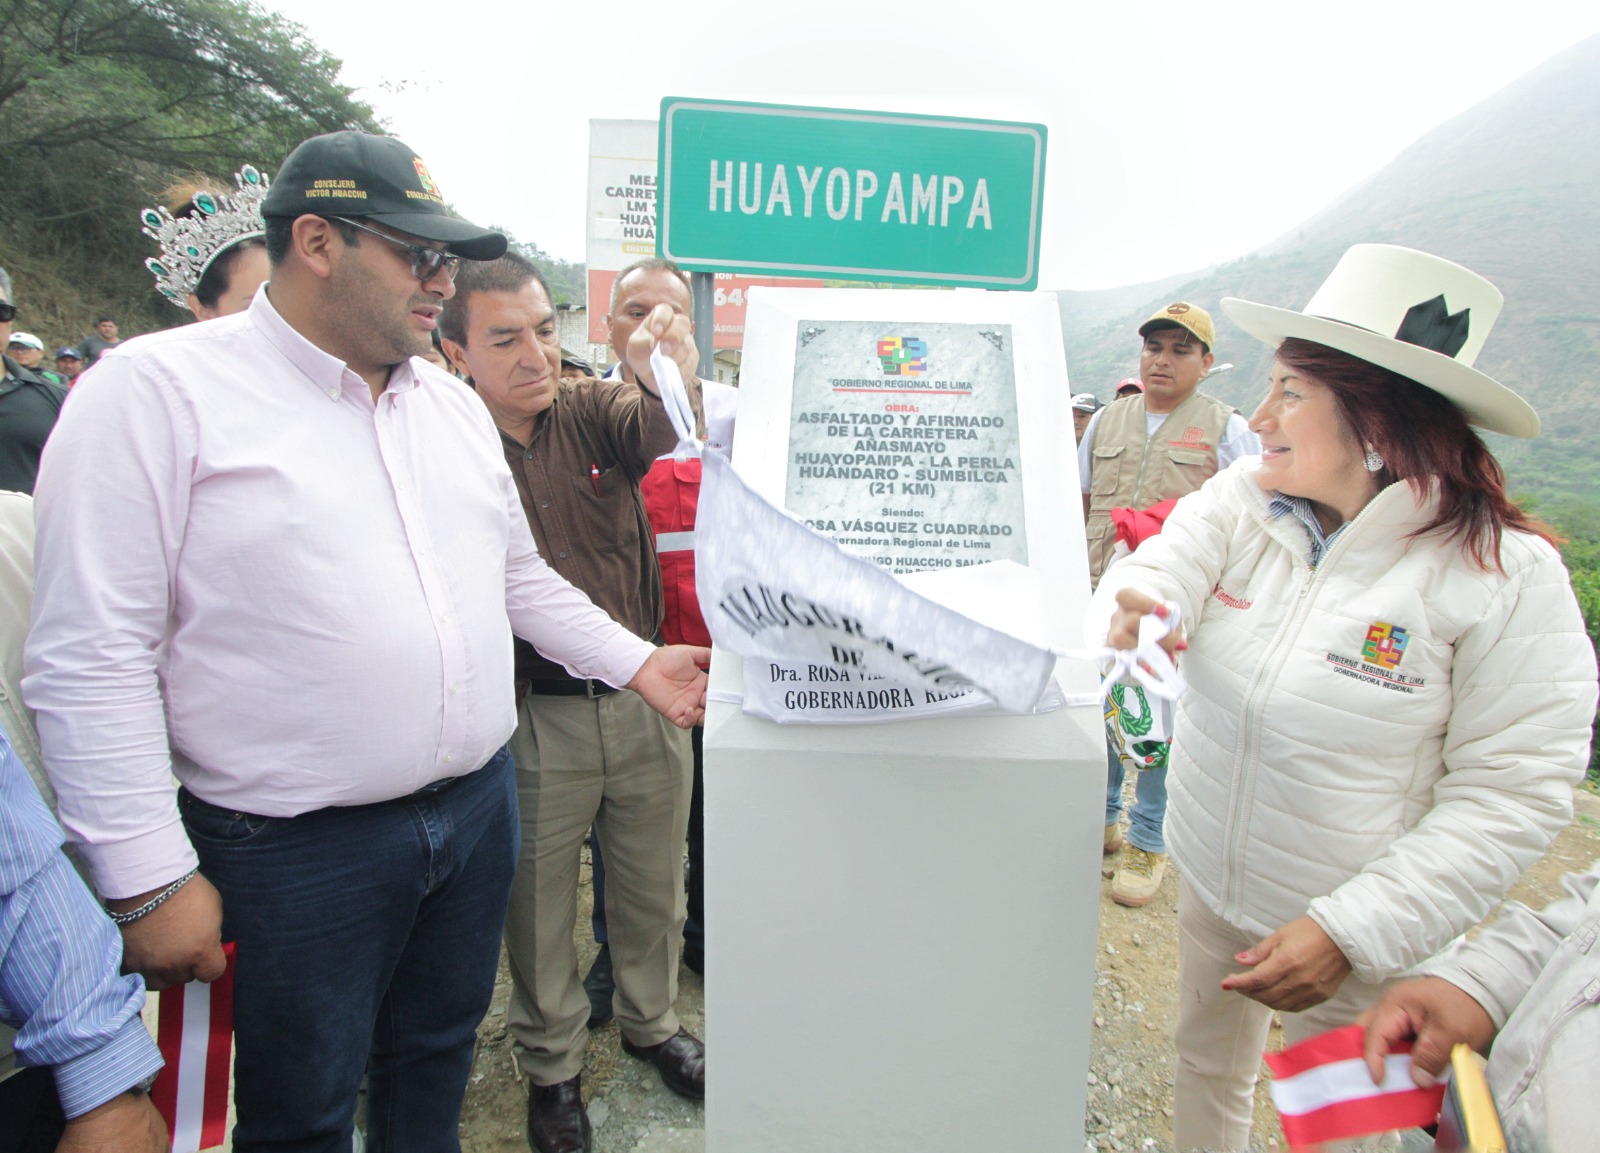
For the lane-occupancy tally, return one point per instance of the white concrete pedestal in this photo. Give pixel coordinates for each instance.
(901, 930)
(901, 917)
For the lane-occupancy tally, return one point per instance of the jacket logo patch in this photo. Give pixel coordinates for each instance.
(1385, 645)
(1381, 654)
(1228, 599)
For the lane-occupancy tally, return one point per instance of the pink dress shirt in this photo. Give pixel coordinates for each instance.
(251, 576)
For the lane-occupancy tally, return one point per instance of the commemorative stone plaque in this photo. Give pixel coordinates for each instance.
(904, 444)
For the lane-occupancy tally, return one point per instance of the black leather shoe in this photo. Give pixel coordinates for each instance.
(694, 956)
(681, 1061)
(557, 1121)
(600, 985)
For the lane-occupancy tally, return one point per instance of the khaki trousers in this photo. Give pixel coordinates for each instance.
(614, 762)
(1221, 1036)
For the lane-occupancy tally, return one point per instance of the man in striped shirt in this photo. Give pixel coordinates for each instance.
(86, 1059)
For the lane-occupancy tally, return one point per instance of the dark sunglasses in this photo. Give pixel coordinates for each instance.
(426, 263)
(8, 313)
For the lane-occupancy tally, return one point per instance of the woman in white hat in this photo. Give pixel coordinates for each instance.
(1390, 688)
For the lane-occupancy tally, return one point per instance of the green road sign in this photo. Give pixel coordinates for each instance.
(780, 190)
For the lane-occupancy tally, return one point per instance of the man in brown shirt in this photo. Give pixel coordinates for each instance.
(585, 753)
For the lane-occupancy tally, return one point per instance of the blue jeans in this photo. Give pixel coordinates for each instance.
(694, 928)
(1149, 803)
(364, 933)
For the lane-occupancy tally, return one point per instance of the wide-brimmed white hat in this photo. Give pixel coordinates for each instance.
(1418, 315)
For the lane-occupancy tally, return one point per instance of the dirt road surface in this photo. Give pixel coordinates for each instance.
(1131, 1041)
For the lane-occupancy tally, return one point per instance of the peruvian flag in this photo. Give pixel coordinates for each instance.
(1324, 1092)
(194, 1031)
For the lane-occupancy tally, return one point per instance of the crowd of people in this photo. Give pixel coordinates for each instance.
(407, 609)
(31, 394)
(31, 352)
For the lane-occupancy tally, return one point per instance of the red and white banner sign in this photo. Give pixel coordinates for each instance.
(622, 208)
(194, 1031)
(1324, 1092)
(622, 229)
(730, 299)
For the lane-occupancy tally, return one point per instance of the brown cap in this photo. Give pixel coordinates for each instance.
(1181, 314)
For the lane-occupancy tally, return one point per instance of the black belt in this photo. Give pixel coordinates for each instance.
(565, 687)
(432, 789)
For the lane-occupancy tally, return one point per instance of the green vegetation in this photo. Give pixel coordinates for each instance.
(104, 103)
(566, 279)
(1582, 554)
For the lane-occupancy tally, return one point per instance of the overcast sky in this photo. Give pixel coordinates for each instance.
(1180, 135)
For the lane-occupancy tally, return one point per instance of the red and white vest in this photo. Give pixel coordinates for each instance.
(671, 491)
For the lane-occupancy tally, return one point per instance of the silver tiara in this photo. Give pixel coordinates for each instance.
(189, 244)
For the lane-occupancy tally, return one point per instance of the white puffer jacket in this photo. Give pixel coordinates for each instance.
(1386, 741)
(1538, 976)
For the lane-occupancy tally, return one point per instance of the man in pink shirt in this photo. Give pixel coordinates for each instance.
(281, 557)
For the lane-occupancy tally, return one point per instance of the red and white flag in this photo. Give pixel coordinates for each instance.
(194, 1031)
(1324, 1092)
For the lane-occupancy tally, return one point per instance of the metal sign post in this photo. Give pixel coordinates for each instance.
(703, 288)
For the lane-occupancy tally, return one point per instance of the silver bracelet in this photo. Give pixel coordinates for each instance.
(153, 903)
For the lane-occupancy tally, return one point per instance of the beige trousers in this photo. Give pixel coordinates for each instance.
(614, 762)
(1221, 1036)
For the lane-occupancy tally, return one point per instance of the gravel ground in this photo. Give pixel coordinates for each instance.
(1129, 1103)
(629, 1108)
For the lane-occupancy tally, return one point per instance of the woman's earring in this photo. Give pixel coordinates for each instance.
(1372, 460)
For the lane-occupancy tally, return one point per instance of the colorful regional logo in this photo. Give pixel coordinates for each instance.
(903, 355)
(424, 176)
(1385, 645)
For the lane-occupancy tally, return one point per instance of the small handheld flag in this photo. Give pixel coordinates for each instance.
(194, 1031)
(1323, 1091)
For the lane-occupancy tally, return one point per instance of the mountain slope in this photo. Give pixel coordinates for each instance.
(1511, 189)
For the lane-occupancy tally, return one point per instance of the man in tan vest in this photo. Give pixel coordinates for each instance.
(1139, 450)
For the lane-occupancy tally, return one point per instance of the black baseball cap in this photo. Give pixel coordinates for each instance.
(377, 178)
